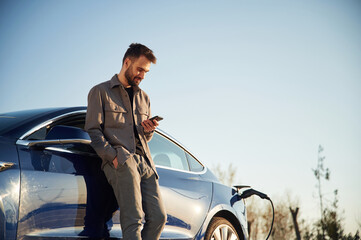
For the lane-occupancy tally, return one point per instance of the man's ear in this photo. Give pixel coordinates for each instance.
(127, 62)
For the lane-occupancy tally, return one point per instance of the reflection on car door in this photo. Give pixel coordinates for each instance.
(62, 189)
(187, 197)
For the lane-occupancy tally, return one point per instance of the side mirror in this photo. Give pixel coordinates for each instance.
(66, 132)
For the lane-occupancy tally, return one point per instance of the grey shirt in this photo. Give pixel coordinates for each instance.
(109, 121)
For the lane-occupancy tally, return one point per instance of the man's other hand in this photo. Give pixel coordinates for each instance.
(149, 125)
(115, 162)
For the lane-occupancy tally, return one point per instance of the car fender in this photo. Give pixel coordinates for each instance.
(225, 203)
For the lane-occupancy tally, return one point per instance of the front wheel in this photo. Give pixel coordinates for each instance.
(221, 229)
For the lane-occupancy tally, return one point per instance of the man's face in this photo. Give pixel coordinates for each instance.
(137, 70)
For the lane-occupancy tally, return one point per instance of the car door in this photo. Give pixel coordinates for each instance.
(62, 186)
(187, 197)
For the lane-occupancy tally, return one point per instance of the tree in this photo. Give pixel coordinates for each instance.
(283, 225)
(294, 209)
(294, 213)
(260, 216)
(332, 221)
(329, 226)
(225, 176)
(254, 221)
(321, 173)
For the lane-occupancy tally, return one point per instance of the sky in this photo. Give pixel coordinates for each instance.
(257, 84)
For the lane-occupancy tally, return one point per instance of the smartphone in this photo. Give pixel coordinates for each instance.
(158, 118)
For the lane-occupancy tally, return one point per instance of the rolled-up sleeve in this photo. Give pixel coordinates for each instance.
(94, 124)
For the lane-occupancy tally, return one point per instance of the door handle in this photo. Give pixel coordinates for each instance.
(5, 165)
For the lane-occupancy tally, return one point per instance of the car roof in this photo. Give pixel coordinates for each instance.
(24, 120)
(33, 117)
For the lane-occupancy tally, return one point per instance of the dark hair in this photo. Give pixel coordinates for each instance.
(136, 50)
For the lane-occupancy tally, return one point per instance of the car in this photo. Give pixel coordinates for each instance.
(52, 185)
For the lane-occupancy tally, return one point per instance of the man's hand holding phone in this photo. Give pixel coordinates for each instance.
(151, 124)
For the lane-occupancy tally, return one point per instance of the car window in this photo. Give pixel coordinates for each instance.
(39, 134)
(194, 165)
(72, 121)
(167, 154)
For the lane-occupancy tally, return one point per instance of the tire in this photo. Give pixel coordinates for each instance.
(221, 229)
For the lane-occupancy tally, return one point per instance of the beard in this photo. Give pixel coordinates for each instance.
(130, 78)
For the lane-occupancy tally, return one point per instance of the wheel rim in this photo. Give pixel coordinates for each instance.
(224, 232)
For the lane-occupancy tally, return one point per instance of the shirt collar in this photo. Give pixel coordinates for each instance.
(114, 82)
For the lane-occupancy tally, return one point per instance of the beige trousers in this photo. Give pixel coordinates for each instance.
(137, 191)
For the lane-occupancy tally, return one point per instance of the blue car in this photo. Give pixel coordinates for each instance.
(52, 185)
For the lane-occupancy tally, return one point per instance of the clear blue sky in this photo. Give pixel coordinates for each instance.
(259, 84)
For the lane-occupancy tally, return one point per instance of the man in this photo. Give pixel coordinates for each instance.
(118, 123)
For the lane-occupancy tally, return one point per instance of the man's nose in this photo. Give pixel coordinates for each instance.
(141, 75)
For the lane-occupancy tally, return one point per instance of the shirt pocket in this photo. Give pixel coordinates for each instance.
(143, 113)
(114, 115)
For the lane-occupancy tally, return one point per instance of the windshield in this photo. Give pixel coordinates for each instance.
(12, 120)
